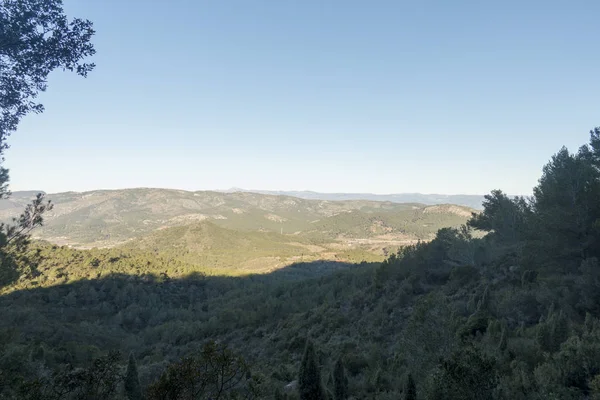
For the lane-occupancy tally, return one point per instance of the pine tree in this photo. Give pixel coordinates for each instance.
(340, 381)
(132, 380)
(410, 389)
(309, 377)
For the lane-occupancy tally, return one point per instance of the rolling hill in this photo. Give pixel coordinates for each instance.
(106, 218)
(213, 249)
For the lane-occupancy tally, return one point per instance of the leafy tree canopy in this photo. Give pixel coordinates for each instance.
(36, 38)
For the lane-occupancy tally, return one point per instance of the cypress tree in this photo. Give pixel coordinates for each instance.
(340, 381)
(309, 377)
(133, 389)
(410, 389)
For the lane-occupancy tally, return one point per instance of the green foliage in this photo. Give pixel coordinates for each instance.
(35, 39)
(98, 382)
(505, 315)
(504, 217)
(466, 374)
(553, 332)
(595, 388)
(309, 375)
(216, 373)
(132, 386)
(340, 381)
(477, 323)
(109, 218)
(410, 389)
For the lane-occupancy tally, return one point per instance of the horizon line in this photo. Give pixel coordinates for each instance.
(258, 191)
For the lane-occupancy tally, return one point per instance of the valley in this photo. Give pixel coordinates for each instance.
(236, 233)
(163, 294)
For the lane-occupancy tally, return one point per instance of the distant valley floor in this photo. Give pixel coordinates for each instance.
(240, 232)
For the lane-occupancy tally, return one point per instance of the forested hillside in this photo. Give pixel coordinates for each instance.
(503, 304)
(236, 233)
(107, 218)
(507, 315)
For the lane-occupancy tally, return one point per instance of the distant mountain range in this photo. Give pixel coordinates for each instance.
(473, 201)
(110, 217)
(467, 200)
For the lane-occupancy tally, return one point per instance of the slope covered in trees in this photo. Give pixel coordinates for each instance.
(105, 218)
(512, 314)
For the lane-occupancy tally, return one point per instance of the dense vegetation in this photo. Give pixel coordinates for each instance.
(236, 233)
(512, 314)
(509, 315)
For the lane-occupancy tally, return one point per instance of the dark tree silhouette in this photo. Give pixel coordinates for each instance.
(309, 376)
(410, 389)
(340, 381)
(216, 373)
(132, 380)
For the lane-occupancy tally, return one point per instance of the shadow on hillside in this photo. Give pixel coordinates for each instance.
(114, 294)
(82, 319)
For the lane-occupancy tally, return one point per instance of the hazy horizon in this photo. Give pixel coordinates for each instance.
(254, 190)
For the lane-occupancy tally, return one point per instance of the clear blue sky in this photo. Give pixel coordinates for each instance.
(336, 96)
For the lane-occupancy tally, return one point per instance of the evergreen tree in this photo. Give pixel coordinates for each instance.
(309, 376)
(132, 380)
(505, 218)
(566, 207)
(340, 381)
(410, 389)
